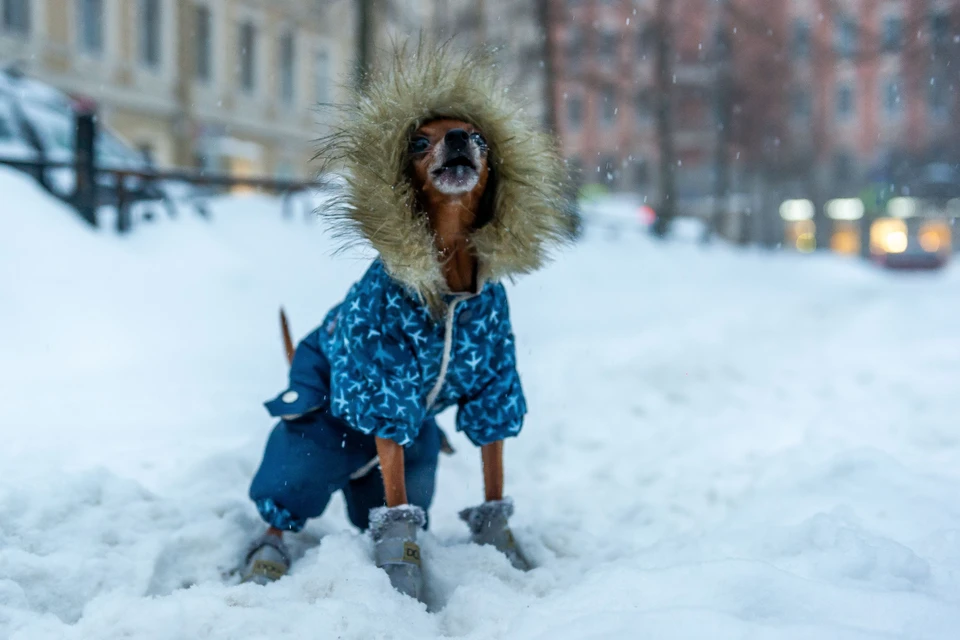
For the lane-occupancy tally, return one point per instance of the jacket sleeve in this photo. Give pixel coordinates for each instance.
(375, 382)
(497, 410)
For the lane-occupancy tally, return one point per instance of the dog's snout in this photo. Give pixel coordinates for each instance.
(456, 140)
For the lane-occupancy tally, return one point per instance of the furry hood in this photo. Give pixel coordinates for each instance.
(532, 207)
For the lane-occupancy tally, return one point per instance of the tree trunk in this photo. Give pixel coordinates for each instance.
(724, 111)
(365, 40)
(481, 16)
(668, 162)
(545, 20)
(183, 151)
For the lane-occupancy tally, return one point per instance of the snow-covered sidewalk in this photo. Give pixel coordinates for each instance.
(720, 444)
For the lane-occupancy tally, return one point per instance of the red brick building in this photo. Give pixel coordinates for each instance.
(834, 91)
(873, 81)
(607, 88)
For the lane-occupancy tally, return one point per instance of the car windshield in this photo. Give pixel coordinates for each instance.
(7, 127)
(54, 128)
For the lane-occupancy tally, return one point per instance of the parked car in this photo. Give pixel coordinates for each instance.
(37, 121)
(910, 243)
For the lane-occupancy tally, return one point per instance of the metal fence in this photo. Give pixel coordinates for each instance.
(122, 187)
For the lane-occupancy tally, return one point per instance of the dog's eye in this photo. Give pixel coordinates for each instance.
(419, 145)
(478, 140)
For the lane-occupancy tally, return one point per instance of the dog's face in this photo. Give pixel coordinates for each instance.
(449, 160)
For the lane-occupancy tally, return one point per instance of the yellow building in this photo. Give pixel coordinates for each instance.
(229, 85)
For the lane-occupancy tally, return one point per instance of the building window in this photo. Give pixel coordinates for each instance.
(845, 106)
(574, 47)
(644, 109)
(150, 25)
(843, 167)
(800, 103)
(574, 112)
(248, 58)
(892, 38)
(847, 37)
(891, 98)
(938, 97)
(203, 34)
(801, 39)
(608, 98)
(646, 40)
(940, 29)
(90, 26)
(287, 67)
(322, 77)
(641, 173)
(608, 46)
(16, 16)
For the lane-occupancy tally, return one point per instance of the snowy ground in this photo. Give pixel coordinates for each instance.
(720, 445)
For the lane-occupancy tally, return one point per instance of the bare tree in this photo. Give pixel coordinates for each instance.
(667, 210)
(723, 107)
(547, 29)
(366, 39)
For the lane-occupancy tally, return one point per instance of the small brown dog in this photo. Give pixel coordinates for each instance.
(456, 192)
(450, 173)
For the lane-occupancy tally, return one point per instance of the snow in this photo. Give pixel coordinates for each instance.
(721, 444)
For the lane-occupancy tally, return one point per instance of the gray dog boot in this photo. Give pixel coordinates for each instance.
(395, 549)
(488, 524)
(267, 560)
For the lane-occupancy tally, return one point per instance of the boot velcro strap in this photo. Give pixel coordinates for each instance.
(392, 551)
(268, 569)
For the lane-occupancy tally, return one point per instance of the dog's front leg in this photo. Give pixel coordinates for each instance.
(394, 527)
(488, 522)
(391, 467)
(492, 457)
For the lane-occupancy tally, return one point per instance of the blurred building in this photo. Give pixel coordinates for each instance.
(511, 29)
(831, 93)
(607, 90)
(225, 84)
(873, 85)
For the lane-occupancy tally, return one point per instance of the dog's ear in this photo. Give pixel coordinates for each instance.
(488, 201)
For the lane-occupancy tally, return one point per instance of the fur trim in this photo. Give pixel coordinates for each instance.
(532, 205)
(490, 513)
(382, 519)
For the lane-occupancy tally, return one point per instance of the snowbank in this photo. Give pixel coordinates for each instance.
(720, 445)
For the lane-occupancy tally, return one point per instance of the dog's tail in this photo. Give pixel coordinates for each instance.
(287, 340)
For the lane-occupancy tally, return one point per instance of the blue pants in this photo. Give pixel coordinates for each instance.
(308, 459)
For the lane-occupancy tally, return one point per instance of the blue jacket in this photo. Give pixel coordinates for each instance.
(382, 364)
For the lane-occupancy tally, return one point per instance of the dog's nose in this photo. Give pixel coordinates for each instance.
(456, 139)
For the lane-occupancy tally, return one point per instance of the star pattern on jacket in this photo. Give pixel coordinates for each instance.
(385, 352)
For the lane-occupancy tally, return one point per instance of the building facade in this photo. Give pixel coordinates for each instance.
(873, 83)
(508, 28)
(607, 89)
(840, 90)
(227, 85)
